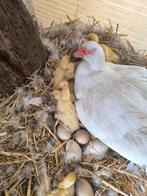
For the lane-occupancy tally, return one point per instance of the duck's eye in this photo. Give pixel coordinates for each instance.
(83, 51)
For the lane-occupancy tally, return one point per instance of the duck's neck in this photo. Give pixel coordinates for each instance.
(87, 68)
(85, 77)
(96, 62)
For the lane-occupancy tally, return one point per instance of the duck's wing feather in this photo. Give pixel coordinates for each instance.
(115, 111)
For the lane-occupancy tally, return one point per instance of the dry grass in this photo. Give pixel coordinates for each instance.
(31, 155)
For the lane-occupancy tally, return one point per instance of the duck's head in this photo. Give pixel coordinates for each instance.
(92, 53)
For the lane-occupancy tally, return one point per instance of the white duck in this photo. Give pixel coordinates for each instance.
(112, 102)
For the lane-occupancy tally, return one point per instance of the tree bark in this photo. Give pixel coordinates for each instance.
(21, 50)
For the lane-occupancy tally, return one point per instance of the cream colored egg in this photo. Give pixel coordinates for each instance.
(82, 136)
(73, 152)
(96, 148)
(83, 188)
(63, 133)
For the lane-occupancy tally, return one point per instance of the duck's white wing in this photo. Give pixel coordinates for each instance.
(115, 111)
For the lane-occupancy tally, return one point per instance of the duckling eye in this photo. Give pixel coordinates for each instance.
(68, 70)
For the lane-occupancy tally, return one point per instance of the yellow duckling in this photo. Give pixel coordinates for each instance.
(65, 187)
(92, 37)
(110, 55)
(65, 71)
(66, 112)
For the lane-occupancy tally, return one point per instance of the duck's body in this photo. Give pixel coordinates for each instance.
(112, 105)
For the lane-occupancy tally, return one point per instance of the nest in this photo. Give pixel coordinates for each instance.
(31, 154)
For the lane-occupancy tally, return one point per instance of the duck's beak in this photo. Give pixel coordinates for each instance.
(77, 54)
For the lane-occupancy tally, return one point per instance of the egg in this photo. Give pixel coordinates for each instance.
(82, 136)
(68, 181)
(63, 133)
(73, 152)
(96, 149)
(83, 188)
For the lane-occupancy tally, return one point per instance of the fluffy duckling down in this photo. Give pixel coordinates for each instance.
(65, 71)
(93, 37)
(66, 112)
(110, 54)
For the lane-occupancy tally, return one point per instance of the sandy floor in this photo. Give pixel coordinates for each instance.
(130, 15)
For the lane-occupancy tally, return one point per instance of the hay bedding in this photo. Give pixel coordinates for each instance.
(31, 155)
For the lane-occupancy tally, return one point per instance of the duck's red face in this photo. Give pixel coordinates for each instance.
(82, 52)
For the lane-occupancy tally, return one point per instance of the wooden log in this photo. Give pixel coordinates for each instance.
(21, 50)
